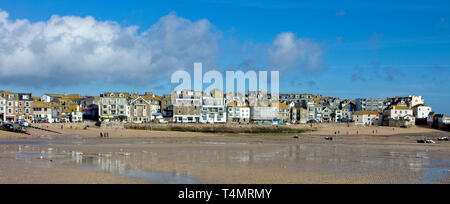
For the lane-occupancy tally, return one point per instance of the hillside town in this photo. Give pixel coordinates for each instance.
(216, 107)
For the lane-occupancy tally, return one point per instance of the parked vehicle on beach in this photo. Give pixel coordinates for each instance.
(8, 126)
(428, 141)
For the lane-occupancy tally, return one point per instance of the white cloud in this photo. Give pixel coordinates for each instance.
(289, 52)
(71, 50)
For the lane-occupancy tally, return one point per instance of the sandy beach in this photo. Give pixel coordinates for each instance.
(356, 155)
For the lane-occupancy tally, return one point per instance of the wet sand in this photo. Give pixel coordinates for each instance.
(137, 156)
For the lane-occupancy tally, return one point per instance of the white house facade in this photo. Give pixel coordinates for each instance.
(367, 118)
(421, 111)
(2, 109)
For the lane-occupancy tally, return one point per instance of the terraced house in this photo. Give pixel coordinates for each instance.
(166, 106)
(71, 113)
(12, 106)
(213, 108)
(369, 104)
(299, 115)
(186, 106)
(2, 108)
(238, 113)
(42, 112)
(367, 118)
(284, 112)
(25, 107)
(18, 106)
(140, 108)
(113, 106)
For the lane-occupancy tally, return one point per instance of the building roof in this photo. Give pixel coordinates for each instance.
(366, 113)
(282, 105)
(74, 96)
(115, 94)
(40, 104)
(398, 107)
(420, 105)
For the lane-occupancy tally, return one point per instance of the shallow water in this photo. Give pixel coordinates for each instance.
(113, 163)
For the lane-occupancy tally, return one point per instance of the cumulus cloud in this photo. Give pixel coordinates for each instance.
(71, 50)
(289, 52)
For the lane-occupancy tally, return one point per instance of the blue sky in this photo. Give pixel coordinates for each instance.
(359, 49)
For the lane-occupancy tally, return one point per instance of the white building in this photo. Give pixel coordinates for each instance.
(213, 109)
(263, 113)
(421, 111)
(237, 108)
(398, 112)
(239, 114)
(2, 109)
(367, 118)
(72, 113)
(415, 100)
(444, 120)
(369, 104)
(213, 114)
(155, 109)
(338, 115)
(113, 107)
(326, 114)
(186, 106)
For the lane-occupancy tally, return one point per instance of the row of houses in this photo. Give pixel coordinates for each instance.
(189, 106)
(21, 107)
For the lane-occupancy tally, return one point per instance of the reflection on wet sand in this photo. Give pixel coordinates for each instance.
(219, 162)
